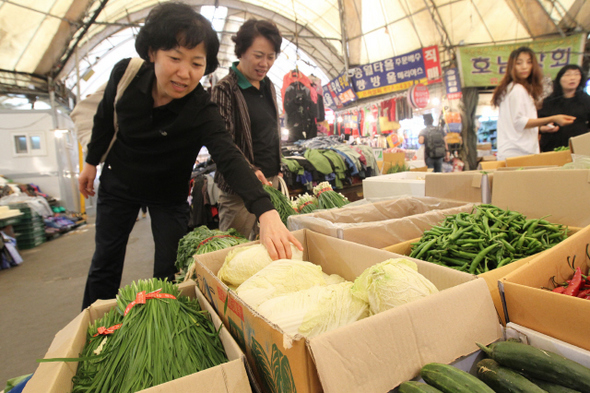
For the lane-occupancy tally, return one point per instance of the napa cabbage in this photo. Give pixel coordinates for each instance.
(241, 263)
(279, 278)
(391, 283)
(316, 310)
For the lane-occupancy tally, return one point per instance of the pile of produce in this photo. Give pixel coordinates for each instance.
(390, 284)
(241, 263)
(200, 241)
(485, 239)
(300, 298)
(305, 203)
(578, 285)
(153, 335)
(281, 203)
(396, 168)
(511, 367)
(327, 197)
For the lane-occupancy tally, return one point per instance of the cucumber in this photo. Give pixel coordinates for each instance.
(541, 364)
(551, 387)
(417, 387)
(504, 379)
(450, 379)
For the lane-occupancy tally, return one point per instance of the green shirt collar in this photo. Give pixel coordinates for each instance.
(243, 83)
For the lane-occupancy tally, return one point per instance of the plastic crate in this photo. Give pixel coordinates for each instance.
(28, 244)
(39, 232)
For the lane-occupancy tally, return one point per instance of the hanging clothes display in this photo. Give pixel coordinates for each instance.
(317, 84)
(300, 105)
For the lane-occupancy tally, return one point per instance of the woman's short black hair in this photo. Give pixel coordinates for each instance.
(558, 90)
(170, 25)
(253, 28)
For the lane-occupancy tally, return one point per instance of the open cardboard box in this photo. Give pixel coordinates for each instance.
(560, 194)
(469, 186)
(558, 158)
(527, 304)
(395, 184)
(526, 336)
(382, 223)
(56, 377)
(580, 144)
(491, 277)
(370, 355)
(392, 159)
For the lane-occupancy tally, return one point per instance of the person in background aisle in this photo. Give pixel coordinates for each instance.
(247, 102)
(568, 97)
(435, 147)
(517, 96)
(165, 117)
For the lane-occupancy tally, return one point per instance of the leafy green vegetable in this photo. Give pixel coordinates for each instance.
(165, 338)
(280, 202)
(200, 241)
(391, 283)
(327, 197)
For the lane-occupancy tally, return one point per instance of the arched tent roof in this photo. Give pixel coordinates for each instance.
(43, 40)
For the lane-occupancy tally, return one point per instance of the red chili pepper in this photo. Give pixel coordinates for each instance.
(584, 293)
(559, 290)
(574, 288)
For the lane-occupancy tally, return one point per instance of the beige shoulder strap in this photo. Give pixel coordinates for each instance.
(130, 72)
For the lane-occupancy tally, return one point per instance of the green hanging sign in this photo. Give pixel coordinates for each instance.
(483, 66)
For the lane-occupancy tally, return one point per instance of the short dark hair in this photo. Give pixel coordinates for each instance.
(170, 25)
(428, 119)
(558, 90)
(253, 28)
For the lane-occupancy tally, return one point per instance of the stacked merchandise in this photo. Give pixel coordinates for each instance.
(30, 229)
(320, 159)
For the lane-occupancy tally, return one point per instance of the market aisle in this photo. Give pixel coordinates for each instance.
(43, 294)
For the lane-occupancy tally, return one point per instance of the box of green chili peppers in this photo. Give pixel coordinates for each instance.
(488, 241)
(142, 342)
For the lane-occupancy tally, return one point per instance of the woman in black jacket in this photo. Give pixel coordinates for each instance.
(164, 118)
(568, 98)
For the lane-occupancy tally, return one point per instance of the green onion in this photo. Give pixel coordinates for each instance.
(280, 202)
(159, 341)
(327, 197)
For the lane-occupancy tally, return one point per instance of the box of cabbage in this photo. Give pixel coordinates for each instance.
(371, 354)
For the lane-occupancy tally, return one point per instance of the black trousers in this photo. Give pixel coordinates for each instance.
(115, 218)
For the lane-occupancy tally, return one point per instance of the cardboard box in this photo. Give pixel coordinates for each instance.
(382, 223)
(526, 336)
(548, 343)
(580, 144)
(560, 194)
(69, 342)
(492, 277)
(484, 146)
(470, 186)
(394, 184)
(558, 158)
(527, 304)
(392, 159)
(488, 164)
(370, 355)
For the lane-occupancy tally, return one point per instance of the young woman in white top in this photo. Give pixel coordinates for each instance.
(518, 95)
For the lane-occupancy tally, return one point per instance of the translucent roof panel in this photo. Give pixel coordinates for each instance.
(46, 38)
(94, 68)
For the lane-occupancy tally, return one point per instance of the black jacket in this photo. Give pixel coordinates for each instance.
(156, 148)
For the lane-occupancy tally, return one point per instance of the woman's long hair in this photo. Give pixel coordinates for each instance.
(533, 84)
